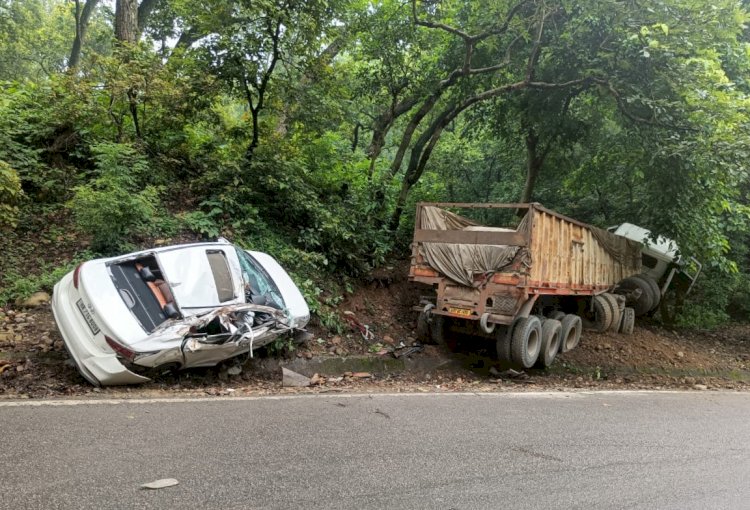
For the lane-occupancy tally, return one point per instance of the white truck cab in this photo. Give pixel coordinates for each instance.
(662, 261)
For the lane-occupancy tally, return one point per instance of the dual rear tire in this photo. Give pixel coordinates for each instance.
(535, 342)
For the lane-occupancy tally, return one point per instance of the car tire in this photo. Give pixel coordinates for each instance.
(551, 330)
(570, 335)
(526, 341)
(628, 321)
(602, 314)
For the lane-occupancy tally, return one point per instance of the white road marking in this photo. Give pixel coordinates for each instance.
(181, 400)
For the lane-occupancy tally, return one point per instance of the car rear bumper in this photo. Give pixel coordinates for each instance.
(96, 366)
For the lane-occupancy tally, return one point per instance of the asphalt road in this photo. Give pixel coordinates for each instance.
(557, 450)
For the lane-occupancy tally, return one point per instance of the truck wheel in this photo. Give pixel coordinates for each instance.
(423, 329)
(570, 333)
(503, 338)
(526, 341)
(628, 321)
(557, 315)
(644, 302)
(437, 329)
(615, 309)
(551, 338)
(602, 314)
(655, 290)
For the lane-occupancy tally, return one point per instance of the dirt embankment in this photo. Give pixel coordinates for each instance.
(33, 362)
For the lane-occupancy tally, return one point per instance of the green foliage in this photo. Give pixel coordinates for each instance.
(10, 196)
(20, 286)
(115, 205)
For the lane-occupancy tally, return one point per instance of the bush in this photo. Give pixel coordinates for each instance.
(115, 205)
(10, 196)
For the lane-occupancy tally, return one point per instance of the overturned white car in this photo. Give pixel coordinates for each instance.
(174, 307)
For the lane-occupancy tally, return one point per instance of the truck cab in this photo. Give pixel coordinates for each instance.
(661, 260)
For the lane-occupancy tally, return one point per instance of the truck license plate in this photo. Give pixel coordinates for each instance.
(459, 311)
(87, 317)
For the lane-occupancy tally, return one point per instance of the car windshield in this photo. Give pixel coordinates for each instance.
(259, 288)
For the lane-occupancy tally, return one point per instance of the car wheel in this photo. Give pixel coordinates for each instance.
(570, 334)
(526, 341)
(551, 338)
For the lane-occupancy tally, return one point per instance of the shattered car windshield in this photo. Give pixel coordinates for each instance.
(259, 288)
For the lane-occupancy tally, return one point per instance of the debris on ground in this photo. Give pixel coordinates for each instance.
(508, 374)
(405, 351)
(160, 484)
(291, 379)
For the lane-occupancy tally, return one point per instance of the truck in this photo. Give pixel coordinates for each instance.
(530, 284)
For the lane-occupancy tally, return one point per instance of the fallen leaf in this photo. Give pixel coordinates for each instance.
(160, 484)
(362, 375)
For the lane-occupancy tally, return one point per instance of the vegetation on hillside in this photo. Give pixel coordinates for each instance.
(308, 129)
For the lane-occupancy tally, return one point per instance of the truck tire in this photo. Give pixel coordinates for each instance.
(628, 321)
(602, 314)
(570, 335)
(551, 338)
(557, 315)
(655, 290)
(423, 328)
(526, 341)
(615, 309)
(645, 302)
(437, 330)
(503, 338)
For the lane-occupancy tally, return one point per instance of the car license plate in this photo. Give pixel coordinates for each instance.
(459, 311)
(87, 317)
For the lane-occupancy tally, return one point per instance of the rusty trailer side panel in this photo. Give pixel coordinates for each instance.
(567, 256)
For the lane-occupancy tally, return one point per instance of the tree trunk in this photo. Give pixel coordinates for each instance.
(82, 23)
(534, 162)
(126, 21)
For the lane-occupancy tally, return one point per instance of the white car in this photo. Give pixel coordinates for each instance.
(182, 306)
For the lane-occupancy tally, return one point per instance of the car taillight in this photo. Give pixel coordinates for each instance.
(77, 276)
(120, 349)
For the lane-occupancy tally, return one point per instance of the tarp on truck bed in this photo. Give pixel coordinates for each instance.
(568, 252)
(460, 262)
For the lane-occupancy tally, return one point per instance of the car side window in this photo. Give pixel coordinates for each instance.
(222, 277)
